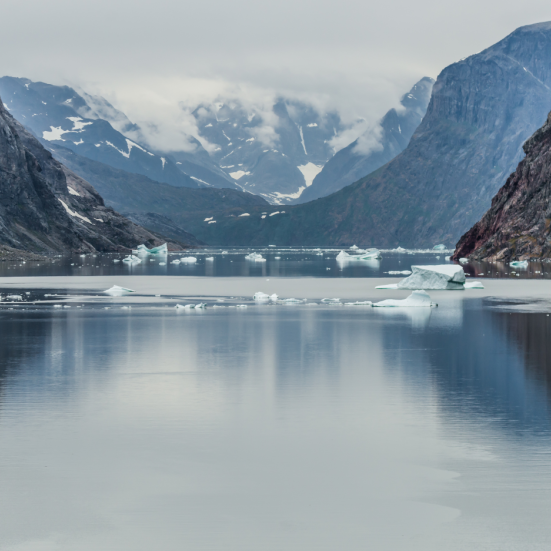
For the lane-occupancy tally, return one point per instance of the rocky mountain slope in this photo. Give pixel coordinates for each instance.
(518, 224)
(44, 207)
(136, 195)
(275, 154)
(368, 153)
(86, 124)
(482, 109)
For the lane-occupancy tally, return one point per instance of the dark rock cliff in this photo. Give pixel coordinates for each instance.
(518, 224)
(44, 207)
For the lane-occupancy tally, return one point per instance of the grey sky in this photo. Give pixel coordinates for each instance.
(145, 56)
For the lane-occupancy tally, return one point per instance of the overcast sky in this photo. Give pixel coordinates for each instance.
(356, 55)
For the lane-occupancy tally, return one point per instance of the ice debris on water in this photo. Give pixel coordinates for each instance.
(473, 285)
(256, 257)
(519, 264)
(417, 299)
(359, 303)
(117, 291)
(188, 260)
(162, 249)
(330, 300)
(394, 272)
(131, 259)
(15, 297)
(263, 297)
(444, 276)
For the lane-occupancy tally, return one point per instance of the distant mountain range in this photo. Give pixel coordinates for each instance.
(481, 111)
(85, 124)
(45, 207)
(371, 151)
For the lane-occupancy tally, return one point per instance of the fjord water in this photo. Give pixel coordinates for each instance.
(275, 428)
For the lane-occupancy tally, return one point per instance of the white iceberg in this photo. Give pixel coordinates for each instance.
(256, 257)
(162, 263)
(369, 254)
(201, 306)
(117, 291)
(417, 299)
(116, 260)
(292, 301)
(354, 248)
(473, 285)
(209, 258)
(519, 264)
(446, 276)
(398, 250)
(162, 249)
(15, 297)
(330, 300)
(463, 260)
(261, 297)
(439, 248)
(188, 260)
(403, 272)
(131, 259)
(176, 261)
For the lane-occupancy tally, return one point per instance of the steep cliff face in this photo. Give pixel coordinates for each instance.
(44, 207)
(350, 163)
(518, 224)
(482, 110)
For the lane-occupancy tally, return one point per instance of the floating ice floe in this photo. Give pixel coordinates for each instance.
(188, 260)
(369, 254)
(57, 305)
(359, 303)
(256, 257)
(403, 272)
(292, 301)
(175, 261)
(398, 250)
(519, 264)
(330, 300)
(162, 263)
(15, 297)
(131, 259)
(263, 297)
(209, 258)
(447, 258)
(416, 299)
(445, 276)
(116, 260)
(241, 306)
(224, 252)
(463, 260)
(439, 247)
(473, 285)
(117, 291)
(161, 249)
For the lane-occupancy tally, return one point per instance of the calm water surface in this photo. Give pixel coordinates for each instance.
(284, 428)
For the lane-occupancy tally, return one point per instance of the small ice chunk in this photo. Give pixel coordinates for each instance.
(256, 257)
(519, 263)
(473, 285)
(117, 291)
(292, 301)
(57, 305)
(15, 297)
(330, 300)
(354, 248)
(131, 259)
(210, 258)
(271, 245)
(176, 261)
(116, 260)
(201, 306)
(399, 250)
(188, 260)
(403, 272)
(439, 247)
(241, 306)
(389, 286)
(224, 252)
(463, 260)
(369, 254)
(447, 258)
(416, 299)
(244, 214)
(162, 263)
(444, 276)
(277, 257)
(273, 297)
(261, 297)
(359, 303)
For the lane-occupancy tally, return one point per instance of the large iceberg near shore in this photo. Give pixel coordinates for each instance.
(161, 249)
(446, 276)
(417, 299)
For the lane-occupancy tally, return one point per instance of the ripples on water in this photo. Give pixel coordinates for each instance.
(275, 428)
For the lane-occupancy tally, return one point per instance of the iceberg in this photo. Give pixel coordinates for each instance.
(188, 260)
(209, 258)
(473, 285)
(519, 264)
(15, 297)
(201, 306)
(330, 300)
(131, 259)
(369, 254)
(256, 257)
(261, 297)
(292, 301)
(354, 248)
(399, 250)
(162, 249)
(463, 260)
(439, 247)
(176, 261)
(389, 286)
(117, 291)
(116, 260)
(417, 299)
(403, 272)
(446, 276)
(359, 303)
